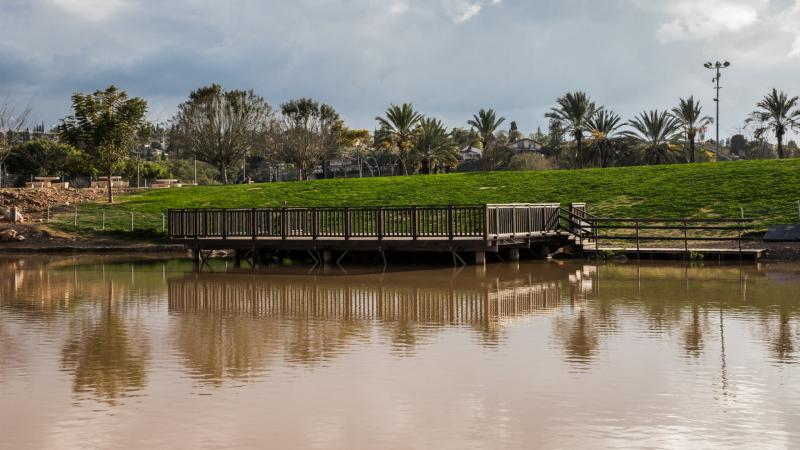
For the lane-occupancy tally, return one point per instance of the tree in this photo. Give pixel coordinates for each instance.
(397, 131)
(778, 113)
(220, 127)
(306, 134)
(690, 119)
(45, 158)
(655, 133)
(434, 147)
(355, 144)
(738, 145)
(513, 132)
(485, 124)
(103, 125)
(602, 127)
(574, 111)
(11, 124)
(792, 150)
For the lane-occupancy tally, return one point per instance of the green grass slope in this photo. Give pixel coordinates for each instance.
(768, 190)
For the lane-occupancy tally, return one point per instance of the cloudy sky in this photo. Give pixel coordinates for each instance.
(449, 57)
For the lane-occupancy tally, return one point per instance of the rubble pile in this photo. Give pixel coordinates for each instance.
(36, 200)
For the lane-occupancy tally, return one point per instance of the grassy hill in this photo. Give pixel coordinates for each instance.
(768, 190)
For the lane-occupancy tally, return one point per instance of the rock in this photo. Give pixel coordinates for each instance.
(8, 235)
(14, 216)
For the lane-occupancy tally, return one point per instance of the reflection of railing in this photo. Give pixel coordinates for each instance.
(488, 221)
(366, 302)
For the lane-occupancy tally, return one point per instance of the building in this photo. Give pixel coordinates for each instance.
(470, 154)
(525, 145)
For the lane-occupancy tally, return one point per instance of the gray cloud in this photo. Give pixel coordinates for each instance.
(449, 57)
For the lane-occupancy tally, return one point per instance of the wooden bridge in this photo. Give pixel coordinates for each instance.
(468, 233)
(323, 231)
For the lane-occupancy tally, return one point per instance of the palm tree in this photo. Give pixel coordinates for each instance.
(690, 119)
(602, 127)
(654, 133)
(434, 147)
(779, 113)
(574, 110)
(486, 123)
(397, 131)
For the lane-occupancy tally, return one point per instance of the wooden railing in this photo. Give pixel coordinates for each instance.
(637, 231)
(490, 222)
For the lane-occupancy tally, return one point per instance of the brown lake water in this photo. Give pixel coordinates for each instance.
(103, 354)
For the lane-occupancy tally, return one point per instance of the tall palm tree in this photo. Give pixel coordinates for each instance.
(434, 147)
(778, 113)
(602, 127)
(574, 110)
(486, 123)
(397, 131)
(691, 121)
(655, 133)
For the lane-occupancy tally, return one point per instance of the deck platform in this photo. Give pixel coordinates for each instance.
(678, 253)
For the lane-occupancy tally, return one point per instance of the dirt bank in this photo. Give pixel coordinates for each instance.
(38, 238)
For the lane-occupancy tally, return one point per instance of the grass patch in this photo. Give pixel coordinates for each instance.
(767, 190)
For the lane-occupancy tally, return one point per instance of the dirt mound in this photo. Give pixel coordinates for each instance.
(35, 200)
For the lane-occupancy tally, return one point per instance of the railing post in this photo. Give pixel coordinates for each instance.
(414, 223)
(685, 238)
(450, 230)
(163, 223)
(314, 223)
(132, 221)
(75, 218)
(254, 223)
(224, 224)
(529, 227)
(284, 223)
(486, 220)
(379, 222)
(637, 240)
(103, 223)
(347, 224)
(205, 223)
(48, 213)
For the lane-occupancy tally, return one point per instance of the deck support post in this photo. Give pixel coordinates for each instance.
(237, 259)
(513, 254)
(327, 257)
(480, 258)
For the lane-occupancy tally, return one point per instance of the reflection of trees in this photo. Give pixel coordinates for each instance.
(104, 354)
(9, 350)
(693, 332)
(782, 340)
(579, 335)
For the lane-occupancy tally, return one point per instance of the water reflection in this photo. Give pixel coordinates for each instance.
(113, 330)
(234, 324)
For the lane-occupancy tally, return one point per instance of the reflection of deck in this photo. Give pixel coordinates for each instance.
(359, 301)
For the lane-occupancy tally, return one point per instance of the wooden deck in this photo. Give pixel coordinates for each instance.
(454, 229)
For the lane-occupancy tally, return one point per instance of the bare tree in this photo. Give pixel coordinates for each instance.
(307, 133)
(220, 127)
(12, 122)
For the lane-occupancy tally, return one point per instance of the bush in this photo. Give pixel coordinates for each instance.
(46, 158)
(530, 161)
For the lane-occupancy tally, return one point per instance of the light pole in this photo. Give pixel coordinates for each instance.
(717, 66)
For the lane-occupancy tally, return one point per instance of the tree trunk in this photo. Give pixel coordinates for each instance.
(691, 150)
(579, 151)
(780, 145)
(110, 192)
(223, 172)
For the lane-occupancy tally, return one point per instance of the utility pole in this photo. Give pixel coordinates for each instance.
(718, 66)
